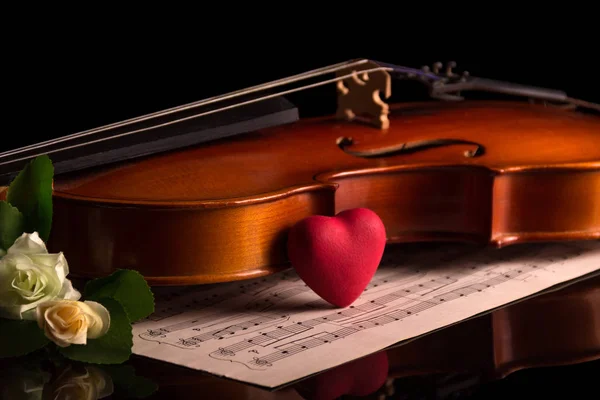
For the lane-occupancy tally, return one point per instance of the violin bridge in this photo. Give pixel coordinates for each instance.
(360, 92)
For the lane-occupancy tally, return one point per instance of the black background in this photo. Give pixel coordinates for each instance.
(57, 86)
(54, 86)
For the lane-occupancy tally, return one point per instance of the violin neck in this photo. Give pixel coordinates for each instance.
(253, 108)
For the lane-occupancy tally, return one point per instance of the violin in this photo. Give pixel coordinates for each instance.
(206, 192)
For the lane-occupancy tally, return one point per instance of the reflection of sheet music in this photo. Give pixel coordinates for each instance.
(270, 331)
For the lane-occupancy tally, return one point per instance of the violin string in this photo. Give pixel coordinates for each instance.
(283, 81)
(583, 103)
(282, 93)
(220, 98)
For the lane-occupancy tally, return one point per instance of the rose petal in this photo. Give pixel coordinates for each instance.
(30, 276)
(64, 322)
(67, 322)
(14, 303)
(68, 292)
(54, 261)
(40, 311)
(28, 243)
(80, 337)
(100, 316)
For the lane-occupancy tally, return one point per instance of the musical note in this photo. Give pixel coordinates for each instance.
(275, 329)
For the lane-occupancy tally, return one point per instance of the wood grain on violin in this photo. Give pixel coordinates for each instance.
(220, 211)
(203, 195)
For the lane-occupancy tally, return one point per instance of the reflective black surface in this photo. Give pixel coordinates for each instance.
(45, 376)
(543, 347)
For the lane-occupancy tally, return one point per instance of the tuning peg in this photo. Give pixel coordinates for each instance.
(436, 67)
(465, 76)
(449, 67)
(426, 70)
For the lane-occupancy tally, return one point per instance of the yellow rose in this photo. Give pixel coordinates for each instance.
(67, 322)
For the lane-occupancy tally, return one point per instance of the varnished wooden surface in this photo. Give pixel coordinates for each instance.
(221, 211)
(554, 329)
(516, 136)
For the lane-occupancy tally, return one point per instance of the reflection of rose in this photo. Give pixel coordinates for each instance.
(90, 384)
(67, 322)
(29, 275)
(23, 384)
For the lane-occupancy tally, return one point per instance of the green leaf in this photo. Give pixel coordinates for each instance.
(11, 225)
(112, 348)
(31, 193)
(127, 287)
(127, 384)
(19, 337)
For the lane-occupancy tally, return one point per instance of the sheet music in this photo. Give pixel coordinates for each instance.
(275, 330)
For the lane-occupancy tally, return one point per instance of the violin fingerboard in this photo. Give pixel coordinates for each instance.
(179, 131)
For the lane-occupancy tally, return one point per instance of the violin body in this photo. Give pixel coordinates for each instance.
(486, 172)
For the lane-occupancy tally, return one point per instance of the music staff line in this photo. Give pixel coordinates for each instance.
(241, 327)
(177, 302)
(290, 292)
(377, 310)
(397, 314)
(264, 303)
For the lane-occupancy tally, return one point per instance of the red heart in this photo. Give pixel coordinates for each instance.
(337, 256)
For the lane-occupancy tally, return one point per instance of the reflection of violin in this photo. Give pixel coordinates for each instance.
(556, 328)
(201, 212)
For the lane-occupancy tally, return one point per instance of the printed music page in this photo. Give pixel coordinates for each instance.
(272, 331)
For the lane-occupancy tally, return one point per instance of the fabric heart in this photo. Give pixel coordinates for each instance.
(337, 256)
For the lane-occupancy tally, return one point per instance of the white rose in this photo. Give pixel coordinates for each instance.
(67, 322)
(29, 276)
